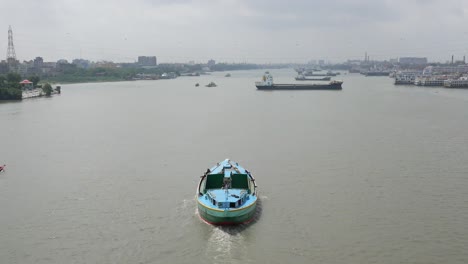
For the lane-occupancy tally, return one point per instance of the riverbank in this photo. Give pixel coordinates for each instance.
(84, 79)
(38, 92)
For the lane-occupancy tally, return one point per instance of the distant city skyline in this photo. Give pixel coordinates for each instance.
(258, 31)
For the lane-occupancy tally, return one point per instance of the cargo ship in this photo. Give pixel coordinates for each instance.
(267, 84)
(329, 73)
(301, 77)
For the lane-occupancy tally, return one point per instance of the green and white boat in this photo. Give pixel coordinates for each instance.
(227, 194)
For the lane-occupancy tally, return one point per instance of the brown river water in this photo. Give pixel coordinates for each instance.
(107, 172)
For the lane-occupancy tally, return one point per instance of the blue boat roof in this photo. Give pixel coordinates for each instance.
(222, 196)
(227, 164)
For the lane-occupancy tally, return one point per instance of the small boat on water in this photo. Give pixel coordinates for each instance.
(197, 84)
(301, 77)
(267, 84)
(211, 84)
(227, 75)
(2, 168)
(227, 194)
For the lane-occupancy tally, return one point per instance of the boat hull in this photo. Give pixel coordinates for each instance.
(336, 86)
(227, 217)
(377, 73)
(320, 74)
(314, 79)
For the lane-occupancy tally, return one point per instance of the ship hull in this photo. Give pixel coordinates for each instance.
(377, 73)
(404, 82)
(228, 216)
(336, 86)
(320, 74)
(313, 79)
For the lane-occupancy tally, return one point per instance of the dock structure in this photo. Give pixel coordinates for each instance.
(459, 83)
(437, 80)
(402, 79)
(34, 93)
(430, 82)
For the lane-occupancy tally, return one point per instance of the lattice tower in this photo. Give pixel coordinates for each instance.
(11, 48)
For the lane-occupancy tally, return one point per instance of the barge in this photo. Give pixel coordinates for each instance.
(267, 84)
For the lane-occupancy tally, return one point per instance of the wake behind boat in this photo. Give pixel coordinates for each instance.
(227, 194)
(267, 84)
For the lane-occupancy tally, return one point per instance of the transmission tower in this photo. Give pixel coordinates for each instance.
(11, 55)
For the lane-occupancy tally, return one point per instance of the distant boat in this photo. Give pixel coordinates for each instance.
(227, 194)
(211, 84)
(227, 75)
(267, 84)
(2, 168)
(197, 84)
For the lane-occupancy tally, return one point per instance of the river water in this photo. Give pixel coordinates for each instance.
(107, 172)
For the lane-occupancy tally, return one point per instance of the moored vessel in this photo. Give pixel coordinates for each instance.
(376, 73)
(227, 194)
(267, 84)
(456, 83)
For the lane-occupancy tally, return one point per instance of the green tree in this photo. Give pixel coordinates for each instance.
(47, 89)
(3, 83)
(13, 80)
(10, 94)
(35, 80)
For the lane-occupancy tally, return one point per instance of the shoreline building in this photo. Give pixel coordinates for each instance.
(147, 61)
(413, 60)
(211, 63)
(459, 69)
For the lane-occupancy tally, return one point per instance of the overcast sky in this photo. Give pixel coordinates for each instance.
(235, 30)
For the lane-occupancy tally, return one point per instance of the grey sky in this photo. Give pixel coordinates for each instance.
(235, 30)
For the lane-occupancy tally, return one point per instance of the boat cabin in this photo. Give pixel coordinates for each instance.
(267, 80)
(226, 185)
(226, 188)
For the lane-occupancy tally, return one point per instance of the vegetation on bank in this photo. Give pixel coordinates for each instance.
(10, 89)
(235, 67)
(10, 94)
(47, 89)
(70, 73)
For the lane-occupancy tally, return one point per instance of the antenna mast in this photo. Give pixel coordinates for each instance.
(11, 54)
